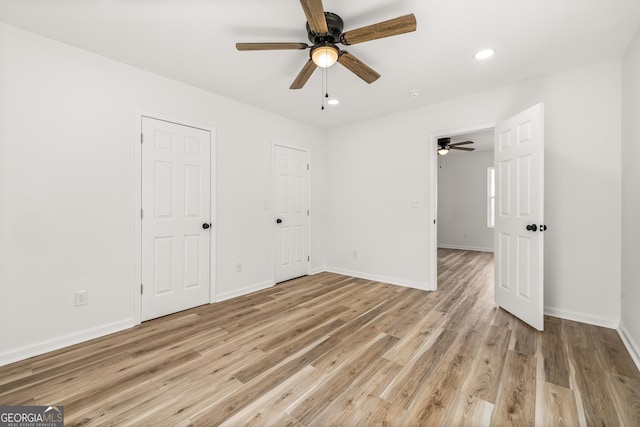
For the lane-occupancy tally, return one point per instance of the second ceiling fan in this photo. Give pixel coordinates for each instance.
(324, 30)
(445, 144)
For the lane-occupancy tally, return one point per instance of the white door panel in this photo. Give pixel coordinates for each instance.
(175, 204)
(291, 177)
(519, 160)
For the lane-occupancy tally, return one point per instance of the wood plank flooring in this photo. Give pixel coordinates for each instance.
(330, 350)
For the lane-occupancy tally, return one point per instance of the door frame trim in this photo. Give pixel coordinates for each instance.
(137, 204)
(275, 144)
(432, 152)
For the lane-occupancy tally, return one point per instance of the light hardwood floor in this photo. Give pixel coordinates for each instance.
(330, 350)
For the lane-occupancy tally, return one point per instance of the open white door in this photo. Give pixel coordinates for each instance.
(291, 172)
(519, 237)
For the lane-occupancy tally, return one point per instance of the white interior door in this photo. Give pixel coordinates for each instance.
(519, 240)
(291, 177)
(175, 217)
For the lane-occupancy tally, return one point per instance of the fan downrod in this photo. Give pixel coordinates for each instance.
(335, 25)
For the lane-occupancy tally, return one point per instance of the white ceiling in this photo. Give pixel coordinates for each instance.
(193, 41)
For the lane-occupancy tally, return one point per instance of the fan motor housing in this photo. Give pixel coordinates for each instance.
(443, 142)
(335, 25)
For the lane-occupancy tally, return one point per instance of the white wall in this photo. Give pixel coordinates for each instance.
(378, 167)
(630, 322)
(67, 184)
(376, 171)
(462, 199)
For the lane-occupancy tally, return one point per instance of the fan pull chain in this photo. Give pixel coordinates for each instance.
(325, 86)
(326, 91)
(322, 89)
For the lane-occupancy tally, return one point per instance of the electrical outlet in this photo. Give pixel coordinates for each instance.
(355, 254)
(466, 236)
(239, 267)
(81, 298)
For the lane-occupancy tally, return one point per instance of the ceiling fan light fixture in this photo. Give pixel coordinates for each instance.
(324, 30)
(324, 55)
(442, 151)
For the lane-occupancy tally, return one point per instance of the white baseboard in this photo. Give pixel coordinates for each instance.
(37, 349)
(243, 291)
(465, 248)
(383, 279)
(317, 270)
(632, 346)
(581, 317)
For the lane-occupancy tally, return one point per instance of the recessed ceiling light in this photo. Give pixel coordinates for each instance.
(484, 54)
(414, 93)
(333, 102)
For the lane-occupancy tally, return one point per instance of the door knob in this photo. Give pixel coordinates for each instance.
(278, 221)
(205, 225)
(532, 227)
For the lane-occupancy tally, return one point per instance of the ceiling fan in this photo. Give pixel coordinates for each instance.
(444, 145)
(324, 30)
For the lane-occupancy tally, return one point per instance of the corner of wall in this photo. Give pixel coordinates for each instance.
(581, 317)
(632, 347)
(317, 270)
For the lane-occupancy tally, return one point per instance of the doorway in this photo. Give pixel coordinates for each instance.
(464, 190)
(459, 134)
(291, 210)
(519, 212)
(175, 230)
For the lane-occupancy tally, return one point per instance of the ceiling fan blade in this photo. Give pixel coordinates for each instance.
(462, 148)
(461, 143)
(271, 46)
(392, 27)
(314, 11)
(358, 67)
(304, 75)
